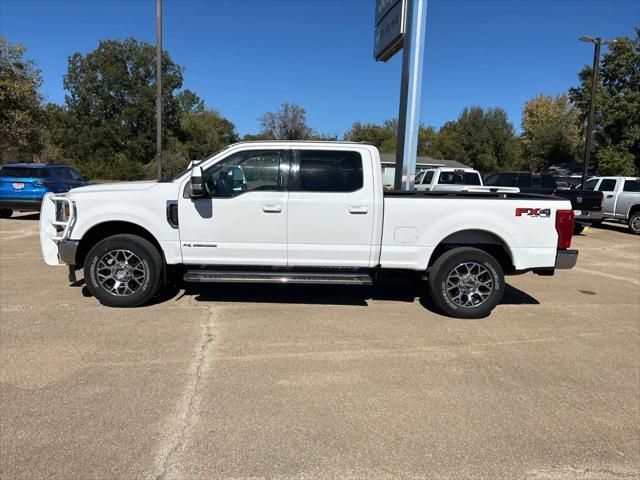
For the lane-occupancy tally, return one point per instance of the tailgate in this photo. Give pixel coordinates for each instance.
(583, 199)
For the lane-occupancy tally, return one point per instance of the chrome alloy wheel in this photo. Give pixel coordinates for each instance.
(469, 284)
(121, 272)
(635, 224)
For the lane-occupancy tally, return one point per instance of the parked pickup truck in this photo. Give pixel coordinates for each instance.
(454, 180)
(301, 212)
(587, 205)
(621, 199)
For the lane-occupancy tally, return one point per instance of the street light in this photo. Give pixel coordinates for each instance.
(594, 80)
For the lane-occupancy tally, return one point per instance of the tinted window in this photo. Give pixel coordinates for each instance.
(523, 181)
(330, 171)
(607, 185)
(591, 184)
(244, 172)
(63, 173)
(459, 178)
(500, 180)
(632, 186)
(17, 172)
(548, 181)
(428, 178)
(74, 174)
(420, 176)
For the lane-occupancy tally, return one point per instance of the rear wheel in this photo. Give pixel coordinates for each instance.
(123, 270)
(466, 282)
(634, 223)
(6, 212)
(578, 229)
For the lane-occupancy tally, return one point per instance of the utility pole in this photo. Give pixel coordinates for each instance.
(410, 88)
(594, 83)
(159, 88)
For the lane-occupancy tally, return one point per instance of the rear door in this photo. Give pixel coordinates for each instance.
(331, 208)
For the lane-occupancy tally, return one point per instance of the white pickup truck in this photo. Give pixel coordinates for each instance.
(301, 212)
(447, 179)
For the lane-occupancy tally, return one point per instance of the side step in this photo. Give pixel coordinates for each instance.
(319, 278)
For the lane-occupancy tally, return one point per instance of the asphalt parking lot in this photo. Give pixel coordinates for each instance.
(247, 381)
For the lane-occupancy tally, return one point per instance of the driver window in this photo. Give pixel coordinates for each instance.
(244, 172)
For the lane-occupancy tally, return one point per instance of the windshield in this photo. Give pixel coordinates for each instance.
(19, 172)
(183, 172)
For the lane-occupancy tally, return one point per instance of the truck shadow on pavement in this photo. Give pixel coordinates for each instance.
(396, 290)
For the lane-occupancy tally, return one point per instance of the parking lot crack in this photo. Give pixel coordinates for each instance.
(187, 411)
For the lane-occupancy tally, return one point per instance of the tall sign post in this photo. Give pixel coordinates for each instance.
(159, 88)
(401, 24)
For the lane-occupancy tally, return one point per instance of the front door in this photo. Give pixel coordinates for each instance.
(608, 188)
(243, 218)
(331, 208)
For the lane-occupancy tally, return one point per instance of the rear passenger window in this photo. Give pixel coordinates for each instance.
(607, 185)
(632, 186)
(523, 181)
(330, 171)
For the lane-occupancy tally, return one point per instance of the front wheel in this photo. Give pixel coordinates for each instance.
(6, 212)
(123, 270)
(634, 223)
(466, 282)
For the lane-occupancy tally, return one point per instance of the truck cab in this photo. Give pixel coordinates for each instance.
(621, 197)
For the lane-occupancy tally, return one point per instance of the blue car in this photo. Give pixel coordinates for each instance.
(22, 185)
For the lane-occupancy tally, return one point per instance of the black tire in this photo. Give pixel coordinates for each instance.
(634, 223)
(6, 212)
(578, 229)
(146, 258)
(455, 258)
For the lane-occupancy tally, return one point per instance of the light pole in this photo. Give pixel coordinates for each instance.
(597, 41)
(159, 88)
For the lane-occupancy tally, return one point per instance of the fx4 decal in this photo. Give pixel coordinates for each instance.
(533, 212)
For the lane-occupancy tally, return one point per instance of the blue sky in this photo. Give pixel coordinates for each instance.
(246, 57)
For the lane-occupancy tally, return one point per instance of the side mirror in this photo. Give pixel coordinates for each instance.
(196, 188)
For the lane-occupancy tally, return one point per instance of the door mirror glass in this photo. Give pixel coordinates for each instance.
(197, 187)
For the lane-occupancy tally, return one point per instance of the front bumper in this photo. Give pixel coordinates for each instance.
(21, 204)
(67, 251)
(566, 259)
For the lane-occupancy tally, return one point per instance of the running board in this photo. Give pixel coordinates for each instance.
(277, 277)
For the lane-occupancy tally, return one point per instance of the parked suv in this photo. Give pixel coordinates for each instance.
(22, 185)
(621, 199)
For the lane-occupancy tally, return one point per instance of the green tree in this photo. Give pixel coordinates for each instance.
(109, 119)
(204, 132)
(189, 102)
(617, 106)
(20, 104)
(384, 136)
(288, 123)
(550, 132)
(483, 139)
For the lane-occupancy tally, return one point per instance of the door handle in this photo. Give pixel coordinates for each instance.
(609, 196)
(271, 208)
(358, 210)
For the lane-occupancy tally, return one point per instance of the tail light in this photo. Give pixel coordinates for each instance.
(601, 200)
(564, 227)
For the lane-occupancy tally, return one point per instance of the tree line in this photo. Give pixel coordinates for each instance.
(106, 126)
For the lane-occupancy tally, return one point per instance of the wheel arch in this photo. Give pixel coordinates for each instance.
(484, 240)
(106, 229)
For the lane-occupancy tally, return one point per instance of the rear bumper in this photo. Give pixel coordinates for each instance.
(23, 204)
(588, 217)
(566, 259)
